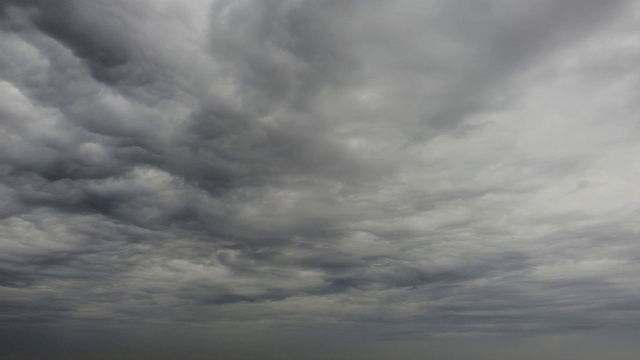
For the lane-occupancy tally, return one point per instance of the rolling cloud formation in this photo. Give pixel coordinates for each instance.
(406, 170)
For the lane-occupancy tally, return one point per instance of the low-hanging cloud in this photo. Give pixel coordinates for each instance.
(405, 171)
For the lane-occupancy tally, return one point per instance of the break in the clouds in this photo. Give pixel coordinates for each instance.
(319, 179)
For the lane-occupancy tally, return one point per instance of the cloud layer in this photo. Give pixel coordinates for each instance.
(407, 171)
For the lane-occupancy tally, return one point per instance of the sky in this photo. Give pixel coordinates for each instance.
(319, 179)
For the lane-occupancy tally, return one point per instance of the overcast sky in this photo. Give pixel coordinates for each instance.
(319, 179)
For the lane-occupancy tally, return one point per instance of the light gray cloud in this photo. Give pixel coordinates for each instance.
(318, 179)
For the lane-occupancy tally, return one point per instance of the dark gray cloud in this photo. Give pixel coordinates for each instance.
(318, 179)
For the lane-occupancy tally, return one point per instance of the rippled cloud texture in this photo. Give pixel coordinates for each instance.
(319, 179)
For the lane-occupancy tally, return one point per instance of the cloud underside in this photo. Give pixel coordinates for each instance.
(415, 168)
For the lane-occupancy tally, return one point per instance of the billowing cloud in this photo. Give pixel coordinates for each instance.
(319, 179)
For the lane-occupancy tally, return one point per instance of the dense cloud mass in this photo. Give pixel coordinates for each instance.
(319, 179)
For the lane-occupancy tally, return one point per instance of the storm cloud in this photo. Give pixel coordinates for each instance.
(319, 179)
